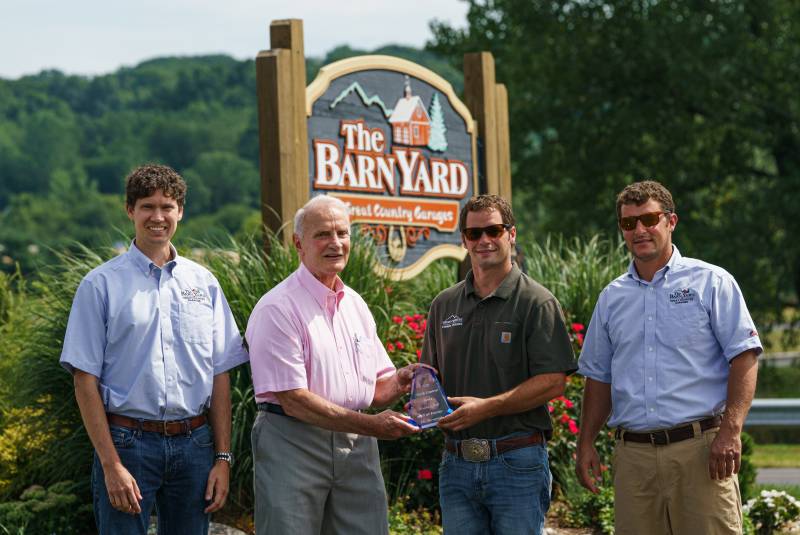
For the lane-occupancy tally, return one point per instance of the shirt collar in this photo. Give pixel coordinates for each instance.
(319, 291)
(143, 262)
(673, 264)
(503, 291)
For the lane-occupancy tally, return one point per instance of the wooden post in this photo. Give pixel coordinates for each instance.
(480, 98)
(503, 142)
(281, 90)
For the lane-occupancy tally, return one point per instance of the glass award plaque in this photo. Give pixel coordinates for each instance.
(428, 402)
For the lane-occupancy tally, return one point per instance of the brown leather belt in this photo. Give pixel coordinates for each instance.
(668, 436)
(165, 427)
(480, 449)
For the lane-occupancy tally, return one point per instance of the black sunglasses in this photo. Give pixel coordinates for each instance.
(493, 231)
(649, 219)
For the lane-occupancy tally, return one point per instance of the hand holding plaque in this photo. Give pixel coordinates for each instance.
(428, 402)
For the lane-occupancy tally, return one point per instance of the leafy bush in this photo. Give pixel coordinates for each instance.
(405, 521)
(747, 471)
(57, 509)
(771, 510)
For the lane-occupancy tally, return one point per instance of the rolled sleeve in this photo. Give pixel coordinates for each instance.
(229, 351)
(276, 351)
(596, 353)
(731, 321)
(85, 337)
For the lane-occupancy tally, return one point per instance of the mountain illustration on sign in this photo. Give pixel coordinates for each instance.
(411, 123)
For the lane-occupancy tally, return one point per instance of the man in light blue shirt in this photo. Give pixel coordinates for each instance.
(149, 342)
(671, 355)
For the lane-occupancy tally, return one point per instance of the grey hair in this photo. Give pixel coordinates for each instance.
(314, 203)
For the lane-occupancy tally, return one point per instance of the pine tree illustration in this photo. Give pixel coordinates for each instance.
(438, 137)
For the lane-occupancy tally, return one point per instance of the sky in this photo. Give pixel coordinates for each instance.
(98, 36)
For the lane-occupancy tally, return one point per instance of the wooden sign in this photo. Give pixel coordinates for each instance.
(391, 139)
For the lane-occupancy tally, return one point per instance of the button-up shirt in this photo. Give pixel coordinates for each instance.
(665, 345)
(154, 337)
(302, 334)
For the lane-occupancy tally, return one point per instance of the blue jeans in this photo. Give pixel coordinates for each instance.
(171, 472)
(508, 494)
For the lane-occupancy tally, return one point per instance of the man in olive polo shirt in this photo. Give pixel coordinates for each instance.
(501, 347)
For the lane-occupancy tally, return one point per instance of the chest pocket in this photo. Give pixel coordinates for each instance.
(197, 322)
(504, 343)
(366, 359)
(689, 321)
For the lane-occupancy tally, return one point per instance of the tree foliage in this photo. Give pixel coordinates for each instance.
(698, 95)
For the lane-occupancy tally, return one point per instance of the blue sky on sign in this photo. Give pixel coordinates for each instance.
(99, 36)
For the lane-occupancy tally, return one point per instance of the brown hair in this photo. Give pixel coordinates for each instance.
(639, 193)
(146, 179)
(486, 202)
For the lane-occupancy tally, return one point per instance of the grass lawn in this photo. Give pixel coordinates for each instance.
(776, 456)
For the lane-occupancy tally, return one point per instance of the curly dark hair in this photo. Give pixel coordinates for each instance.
(486, 202)
(146, 179)
(639, 193)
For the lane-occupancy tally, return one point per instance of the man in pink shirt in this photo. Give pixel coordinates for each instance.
(317, 361)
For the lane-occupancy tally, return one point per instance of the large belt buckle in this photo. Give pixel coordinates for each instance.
(475, 450)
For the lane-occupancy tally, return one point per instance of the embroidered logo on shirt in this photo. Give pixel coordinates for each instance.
(679, 297)
(452, 321)
(505, 337)
(753, 333)
(196, 295)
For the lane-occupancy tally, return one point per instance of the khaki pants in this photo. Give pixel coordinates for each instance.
(310, 481)
(667, 490)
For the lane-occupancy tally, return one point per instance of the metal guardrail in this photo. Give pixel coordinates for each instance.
(783, 412)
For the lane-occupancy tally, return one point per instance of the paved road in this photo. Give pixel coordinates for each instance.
(778, 476)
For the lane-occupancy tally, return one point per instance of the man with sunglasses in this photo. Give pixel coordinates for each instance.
(502, 350)
(671, 356)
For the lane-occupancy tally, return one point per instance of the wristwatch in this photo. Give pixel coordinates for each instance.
(224, 456)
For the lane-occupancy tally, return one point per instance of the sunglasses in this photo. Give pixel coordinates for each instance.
(649, 219)
(493, 231)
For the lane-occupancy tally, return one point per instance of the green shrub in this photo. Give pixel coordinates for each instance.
(57, 509)
(405, 521)
(747, 471)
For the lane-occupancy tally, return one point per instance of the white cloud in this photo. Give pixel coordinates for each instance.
(98, 36)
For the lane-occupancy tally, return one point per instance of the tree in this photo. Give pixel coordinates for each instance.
(699, 95)
(438, 139)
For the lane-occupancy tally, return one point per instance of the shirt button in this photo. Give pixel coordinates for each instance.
(650, 318)
(649, 378)
(651, 288)
(651, 410)
(650, 348)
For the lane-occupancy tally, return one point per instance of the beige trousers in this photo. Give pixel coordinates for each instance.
(310, 481)
(667, 490)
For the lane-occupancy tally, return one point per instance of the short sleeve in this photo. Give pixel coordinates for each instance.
(276, 351)
(730, 319)
(549, 346)
(229, 351)
(596, 353)
(85, 337)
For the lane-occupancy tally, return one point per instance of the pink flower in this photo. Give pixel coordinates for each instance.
(400, 345)
(568, 404)
(408, 318)
(414, 325)
(389, 346)
(397, 319)
(419, 354)
(578, 327)
(550, 407)
(418, 317)
(573, 427)
(424, 474)
(579, 337)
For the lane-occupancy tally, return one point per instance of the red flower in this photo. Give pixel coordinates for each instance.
(424, 474)
(397, 319)
(414, 325)
(389, 346)
(578, 327)
(568, 404)
(389, 289)
(400, 345)
(579, 336)
(418, 317)
(419, 354)
(573, 427)
(565, 418)
(408, 318)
